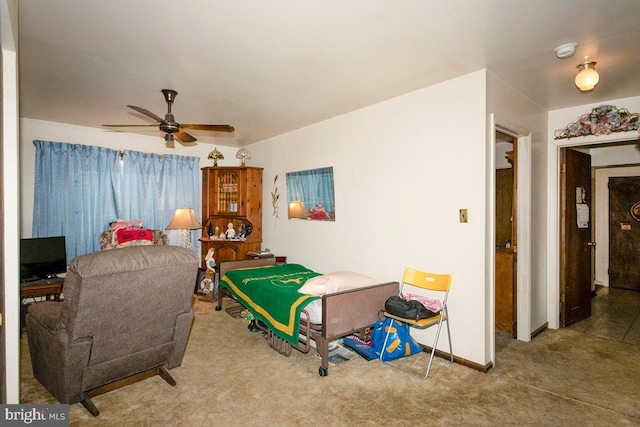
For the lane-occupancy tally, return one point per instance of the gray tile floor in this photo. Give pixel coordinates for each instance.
(615, 315)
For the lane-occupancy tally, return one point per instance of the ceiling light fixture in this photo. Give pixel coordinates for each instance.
(566, 50)
(587, 77)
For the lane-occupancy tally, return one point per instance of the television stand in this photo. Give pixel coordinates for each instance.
(48, 288)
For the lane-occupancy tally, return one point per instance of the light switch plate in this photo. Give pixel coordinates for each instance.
(464, 215)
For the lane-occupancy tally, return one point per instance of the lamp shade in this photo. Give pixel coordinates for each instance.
(215, 155)
(297, 210)
(587, 77)
(184, 219)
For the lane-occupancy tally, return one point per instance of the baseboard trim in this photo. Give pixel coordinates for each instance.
(461, 361)
(540, 330)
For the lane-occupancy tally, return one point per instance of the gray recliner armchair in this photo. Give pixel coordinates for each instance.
(126, 315)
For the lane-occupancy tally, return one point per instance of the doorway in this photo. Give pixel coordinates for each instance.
(521, 243)
(610, 153)
(624, 232)
(615, 310)
(506, 186)
(601, 221)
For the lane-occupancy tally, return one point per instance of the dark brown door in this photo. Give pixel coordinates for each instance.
(575, 237)
(624, 232)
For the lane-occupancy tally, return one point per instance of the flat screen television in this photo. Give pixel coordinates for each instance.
(42, 258)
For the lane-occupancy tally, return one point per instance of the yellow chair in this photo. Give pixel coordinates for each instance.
(438, 284)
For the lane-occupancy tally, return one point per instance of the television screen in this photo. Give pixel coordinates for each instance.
(42, 257)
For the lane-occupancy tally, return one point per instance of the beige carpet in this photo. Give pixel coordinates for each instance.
(230, 377)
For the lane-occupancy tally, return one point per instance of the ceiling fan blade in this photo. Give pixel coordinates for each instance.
(184, 137)
(216, 128)
(168, 124)
(146, 113)
(129, 126)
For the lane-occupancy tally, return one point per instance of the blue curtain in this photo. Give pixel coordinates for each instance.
(313, 187)
(155, 185)
(80, 189)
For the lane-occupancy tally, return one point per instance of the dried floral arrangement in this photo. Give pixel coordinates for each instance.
(602, 120)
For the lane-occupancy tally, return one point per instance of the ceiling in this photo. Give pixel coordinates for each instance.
(269, 67)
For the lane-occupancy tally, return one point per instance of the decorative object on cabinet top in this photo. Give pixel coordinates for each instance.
(243, 154)
(215, 155)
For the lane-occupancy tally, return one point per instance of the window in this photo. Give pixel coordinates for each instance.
(81, 189)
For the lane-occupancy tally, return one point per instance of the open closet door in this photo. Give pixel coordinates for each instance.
(575, 237)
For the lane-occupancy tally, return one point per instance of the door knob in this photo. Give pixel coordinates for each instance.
(591, 243)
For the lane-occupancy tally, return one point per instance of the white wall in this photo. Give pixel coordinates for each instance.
(10, 205)
(402, 170)
(50, 131)
(558, 119)
(528, 121)
(617, 155)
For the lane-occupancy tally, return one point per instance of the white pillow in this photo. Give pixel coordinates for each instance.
(336, 282)
(315, 286)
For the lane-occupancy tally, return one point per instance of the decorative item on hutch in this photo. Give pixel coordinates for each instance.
(243, 154)
(215, 155)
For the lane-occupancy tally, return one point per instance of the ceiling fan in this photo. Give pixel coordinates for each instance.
(169, 126)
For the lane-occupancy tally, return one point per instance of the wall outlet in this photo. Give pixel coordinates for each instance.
(464, 215)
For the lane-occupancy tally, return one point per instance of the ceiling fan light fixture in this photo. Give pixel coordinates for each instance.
(587, 77)
(169, 126)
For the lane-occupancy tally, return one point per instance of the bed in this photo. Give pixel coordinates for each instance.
(343, 310)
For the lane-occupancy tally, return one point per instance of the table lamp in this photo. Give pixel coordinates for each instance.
(215, 155)
(184, 219)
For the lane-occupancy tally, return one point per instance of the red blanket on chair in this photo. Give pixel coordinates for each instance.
(125, 235)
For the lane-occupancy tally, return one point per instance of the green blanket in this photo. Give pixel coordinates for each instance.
(271, 294)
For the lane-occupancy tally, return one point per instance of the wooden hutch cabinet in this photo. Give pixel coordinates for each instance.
(231, 195)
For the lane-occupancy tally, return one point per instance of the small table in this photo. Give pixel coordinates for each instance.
(50, 289)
